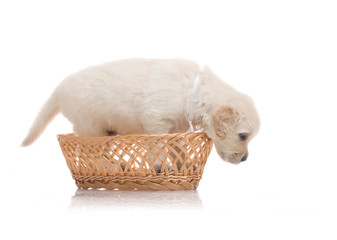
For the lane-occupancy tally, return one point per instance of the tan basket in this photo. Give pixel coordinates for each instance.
(137, 162)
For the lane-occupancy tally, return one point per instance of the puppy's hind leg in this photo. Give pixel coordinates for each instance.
(89, 130)
(103, 156)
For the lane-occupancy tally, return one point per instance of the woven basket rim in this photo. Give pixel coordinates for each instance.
(128, 135)
(127, 162)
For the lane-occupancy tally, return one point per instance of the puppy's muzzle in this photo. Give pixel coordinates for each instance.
(244, 158)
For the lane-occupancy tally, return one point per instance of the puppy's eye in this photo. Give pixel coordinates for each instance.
(243, 136)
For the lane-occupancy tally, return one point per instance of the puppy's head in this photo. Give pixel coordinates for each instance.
(231, 128)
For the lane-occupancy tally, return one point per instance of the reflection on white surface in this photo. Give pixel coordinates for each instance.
(94, 199)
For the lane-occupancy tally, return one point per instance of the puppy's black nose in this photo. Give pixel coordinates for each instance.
(244, 158)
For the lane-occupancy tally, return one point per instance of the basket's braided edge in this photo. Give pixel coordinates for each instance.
(136, 183)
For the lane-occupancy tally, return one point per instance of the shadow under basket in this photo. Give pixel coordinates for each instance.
(137, 162)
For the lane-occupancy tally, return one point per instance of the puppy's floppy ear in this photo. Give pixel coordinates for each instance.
(223, 118)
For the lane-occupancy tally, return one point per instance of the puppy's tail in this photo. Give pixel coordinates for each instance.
(47, 113)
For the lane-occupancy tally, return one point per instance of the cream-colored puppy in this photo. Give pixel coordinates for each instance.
(152, 96)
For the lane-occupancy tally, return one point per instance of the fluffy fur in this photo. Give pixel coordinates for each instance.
(152, 96)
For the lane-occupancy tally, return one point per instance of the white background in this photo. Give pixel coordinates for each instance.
(282, 53)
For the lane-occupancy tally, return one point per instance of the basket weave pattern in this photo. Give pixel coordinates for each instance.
(137, 162)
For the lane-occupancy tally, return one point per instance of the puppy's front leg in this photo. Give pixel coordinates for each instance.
(157, 153)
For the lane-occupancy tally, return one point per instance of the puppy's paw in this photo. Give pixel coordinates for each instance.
(158, 166)
(180, 165)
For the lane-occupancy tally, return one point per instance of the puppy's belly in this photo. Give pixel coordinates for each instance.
(102, 120)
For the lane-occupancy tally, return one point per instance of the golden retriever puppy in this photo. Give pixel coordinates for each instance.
(153, 96)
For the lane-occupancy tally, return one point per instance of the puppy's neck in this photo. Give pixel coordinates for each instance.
(194, 100)
(213, 92)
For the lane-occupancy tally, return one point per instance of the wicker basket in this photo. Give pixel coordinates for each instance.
(137, 162)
